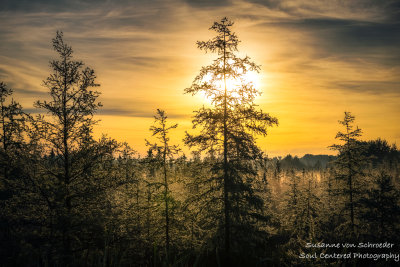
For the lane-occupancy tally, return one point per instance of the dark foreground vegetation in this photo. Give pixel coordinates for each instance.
(69, 200)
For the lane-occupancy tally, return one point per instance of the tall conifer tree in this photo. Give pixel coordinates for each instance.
(69, 154)
(228, 129)
(349, 167)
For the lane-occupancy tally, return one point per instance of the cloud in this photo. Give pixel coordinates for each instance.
(350, 33)
(376, 10)
(369, 87)
(208, 3)
(355, 39)
(127, 111)
(134, 113)
(62, 5)
(31, 93)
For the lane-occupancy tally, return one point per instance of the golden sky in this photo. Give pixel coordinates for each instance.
(318, 59)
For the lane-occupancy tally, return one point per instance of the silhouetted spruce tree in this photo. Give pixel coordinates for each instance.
(126, 227)
(301, 216)
(70, 177)
(12, 125)
(331, 209)
(381, 211)
(200, 207)
(167, 152)
(151, 165)
(228, 129)
(12, 128)
(294, 197)
(349, 168)
(311, 209)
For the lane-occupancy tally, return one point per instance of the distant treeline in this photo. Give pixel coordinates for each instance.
(377, 151)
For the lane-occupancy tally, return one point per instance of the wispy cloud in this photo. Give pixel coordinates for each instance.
(135, 113)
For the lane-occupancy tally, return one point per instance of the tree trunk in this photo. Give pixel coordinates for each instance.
(226, 176)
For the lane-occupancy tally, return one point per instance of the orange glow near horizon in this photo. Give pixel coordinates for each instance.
(315, 64)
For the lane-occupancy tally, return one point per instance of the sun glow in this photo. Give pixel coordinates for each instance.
(245, 79)
(233, 85)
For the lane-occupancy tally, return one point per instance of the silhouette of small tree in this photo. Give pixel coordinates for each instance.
(167, 152)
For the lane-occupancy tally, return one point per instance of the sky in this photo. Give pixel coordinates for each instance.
(318, 59)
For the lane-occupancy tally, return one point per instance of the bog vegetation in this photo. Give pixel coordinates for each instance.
(67, 199)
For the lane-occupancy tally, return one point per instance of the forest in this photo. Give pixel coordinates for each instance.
(67, 199)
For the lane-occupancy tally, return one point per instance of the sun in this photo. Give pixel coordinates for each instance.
(235, 85)
(250, 77)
